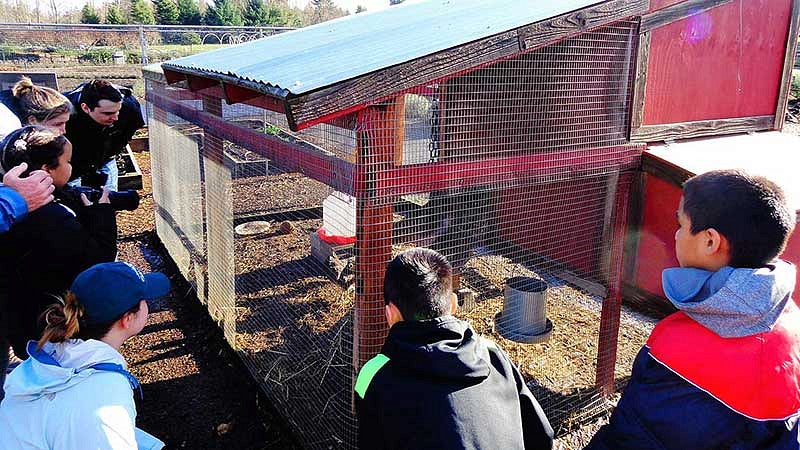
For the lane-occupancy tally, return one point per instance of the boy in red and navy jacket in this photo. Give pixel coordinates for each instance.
(724, 371)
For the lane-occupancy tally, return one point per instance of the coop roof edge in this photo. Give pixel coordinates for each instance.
(305, 108)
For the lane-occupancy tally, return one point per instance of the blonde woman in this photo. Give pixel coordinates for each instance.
(29, 104)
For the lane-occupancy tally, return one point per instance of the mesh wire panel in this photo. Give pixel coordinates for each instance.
(519, 170)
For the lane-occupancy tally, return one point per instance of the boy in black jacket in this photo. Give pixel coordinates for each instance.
(436, 384)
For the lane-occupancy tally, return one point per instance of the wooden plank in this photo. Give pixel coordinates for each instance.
(377, 85)
(677, 12)
(612, 304)
(665, 170)
(567, 25)
(786, 80)
(612, 181)
(725, 63)
(640, 83)
(635, 219)
(373, 230)
(684, 130)
(399, 129)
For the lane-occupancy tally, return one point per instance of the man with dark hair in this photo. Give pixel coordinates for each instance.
(724, 371)
(104, 120)
(436, 383)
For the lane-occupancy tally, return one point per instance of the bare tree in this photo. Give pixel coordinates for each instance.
(54, 6)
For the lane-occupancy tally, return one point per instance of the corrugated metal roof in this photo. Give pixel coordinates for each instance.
(310, 58)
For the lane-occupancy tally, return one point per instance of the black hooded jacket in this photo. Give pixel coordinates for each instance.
(42, 254)
(438, 385)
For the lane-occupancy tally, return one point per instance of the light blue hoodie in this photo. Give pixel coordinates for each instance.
(732, 302)
(71, 405)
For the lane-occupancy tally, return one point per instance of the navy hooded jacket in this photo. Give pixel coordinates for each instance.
(437, 385)
(722, 373)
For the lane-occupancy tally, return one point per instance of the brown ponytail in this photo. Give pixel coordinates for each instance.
(40, 102)
(62, 321)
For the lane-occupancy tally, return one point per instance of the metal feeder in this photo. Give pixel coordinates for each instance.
(524, 316)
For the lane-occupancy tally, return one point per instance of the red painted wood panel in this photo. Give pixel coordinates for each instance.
(560, 221)
(722, 63)
(657, 237)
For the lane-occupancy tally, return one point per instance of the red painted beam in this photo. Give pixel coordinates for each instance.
(287, 156)
(448, 175)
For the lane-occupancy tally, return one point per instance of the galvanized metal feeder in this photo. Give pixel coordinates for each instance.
(524, 316)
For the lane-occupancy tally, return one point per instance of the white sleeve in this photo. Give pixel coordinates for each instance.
(8, 121)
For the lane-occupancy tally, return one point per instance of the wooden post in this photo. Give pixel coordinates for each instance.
(377, 144)
(218, 227)
(612, 305)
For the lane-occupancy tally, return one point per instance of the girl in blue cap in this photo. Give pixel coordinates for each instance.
(74, 392)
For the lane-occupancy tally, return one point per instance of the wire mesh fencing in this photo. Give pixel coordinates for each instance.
(518, 172)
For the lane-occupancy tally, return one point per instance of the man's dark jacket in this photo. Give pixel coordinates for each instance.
(43, 253)
(93, 145)
(437, 385)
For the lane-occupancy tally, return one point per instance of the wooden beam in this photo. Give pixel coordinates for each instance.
(677, 12)
(576, 22)
(788, 65)
(684, 130)
(399, 129)
(640, 83)
(635, 219)
(663, 170)
(612, 304)
(561, 164)
(381, 84)
(376, 148)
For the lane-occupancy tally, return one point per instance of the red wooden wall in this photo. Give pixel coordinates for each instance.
(723, 63)
(559, 221)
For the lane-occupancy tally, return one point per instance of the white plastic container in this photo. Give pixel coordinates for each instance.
(339, 214)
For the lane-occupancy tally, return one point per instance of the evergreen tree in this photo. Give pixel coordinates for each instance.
(223, 12)
(142, 12)
(166, 12)
(89, 14)
(189, 12)
(255, 14)
(114, 15)
(282, 16)
(360, 9)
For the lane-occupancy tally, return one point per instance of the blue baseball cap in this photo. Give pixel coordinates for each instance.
(108, 290)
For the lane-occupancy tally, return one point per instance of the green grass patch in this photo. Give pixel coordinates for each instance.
(795, 92)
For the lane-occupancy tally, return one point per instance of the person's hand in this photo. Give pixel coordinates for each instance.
(104, 198)
(36, 189)
(85, 200)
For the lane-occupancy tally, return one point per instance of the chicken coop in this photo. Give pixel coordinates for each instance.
(288, 171)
